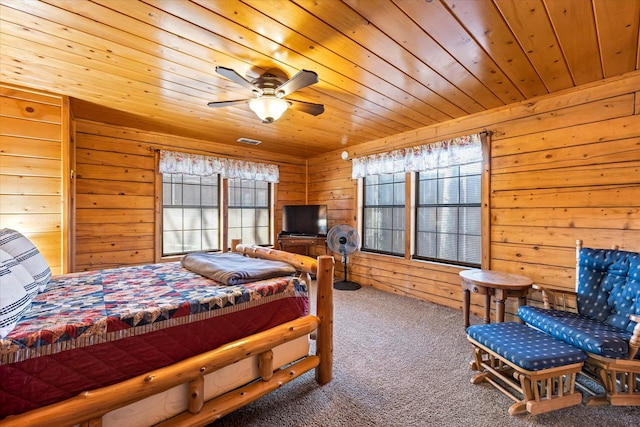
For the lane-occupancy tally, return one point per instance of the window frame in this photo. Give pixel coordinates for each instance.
(391, 206)
(269, 207)
(444, 205)
(182, 206)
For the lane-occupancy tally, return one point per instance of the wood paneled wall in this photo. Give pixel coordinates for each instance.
(115, 197)
(34, 151)
(563, 167)
(117, 190)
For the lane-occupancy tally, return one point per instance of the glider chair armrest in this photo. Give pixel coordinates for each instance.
(556, 298)
(634, 342)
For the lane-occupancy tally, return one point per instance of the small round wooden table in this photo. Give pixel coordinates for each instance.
(488, 283)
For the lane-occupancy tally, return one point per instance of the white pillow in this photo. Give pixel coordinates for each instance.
(21, 248)
(15, 301)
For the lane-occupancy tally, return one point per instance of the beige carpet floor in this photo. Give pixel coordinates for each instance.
(402, 362)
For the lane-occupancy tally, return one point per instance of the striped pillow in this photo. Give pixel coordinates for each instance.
(14, 299)
(21, 248)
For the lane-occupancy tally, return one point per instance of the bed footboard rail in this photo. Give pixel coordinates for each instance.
(302, 263)
(88, 407)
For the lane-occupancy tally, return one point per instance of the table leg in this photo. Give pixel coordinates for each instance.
(500, 297)
(466, 301)
(487, 308)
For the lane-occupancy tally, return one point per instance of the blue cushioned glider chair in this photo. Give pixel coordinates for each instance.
(605, 324)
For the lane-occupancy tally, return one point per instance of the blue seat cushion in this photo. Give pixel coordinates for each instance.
(524, 346)
(578, 330)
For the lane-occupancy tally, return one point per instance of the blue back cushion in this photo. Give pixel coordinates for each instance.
(609, 286)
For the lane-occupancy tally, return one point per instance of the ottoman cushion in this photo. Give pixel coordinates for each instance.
(524, 346)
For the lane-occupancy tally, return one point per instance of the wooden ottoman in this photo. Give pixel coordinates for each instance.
(516, 357)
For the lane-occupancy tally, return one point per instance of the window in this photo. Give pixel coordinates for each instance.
(444, 179)
(249, 215)
(448, 226)
(190, 213)
(384, 208)
(192, 203)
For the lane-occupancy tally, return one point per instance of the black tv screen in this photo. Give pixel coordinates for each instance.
(305, 220)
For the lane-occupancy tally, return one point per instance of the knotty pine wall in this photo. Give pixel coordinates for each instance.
(563, 167)
(34, 153)
(109, 207)
(116, 183)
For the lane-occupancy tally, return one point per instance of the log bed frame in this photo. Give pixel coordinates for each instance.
(88, 408)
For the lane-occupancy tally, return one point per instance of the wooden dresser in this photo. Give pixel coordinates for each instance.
(301, 244)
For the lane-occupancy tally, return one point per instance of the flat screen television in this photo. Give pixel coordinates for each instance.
(304, 220)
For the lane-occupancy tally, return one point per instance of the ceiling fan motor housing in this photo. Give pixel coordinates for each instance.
(268, 83)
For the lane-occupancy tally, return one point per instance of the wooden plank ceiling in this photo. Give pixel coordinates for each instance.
(385, 66)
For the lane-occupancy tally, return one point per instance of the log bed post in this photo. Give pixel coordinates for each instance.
(323, 268)
(324, 307)
(234, 243)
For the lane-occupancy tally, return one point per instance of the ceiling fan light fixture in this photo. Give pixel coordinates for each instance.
(268, 107)
(269, 102)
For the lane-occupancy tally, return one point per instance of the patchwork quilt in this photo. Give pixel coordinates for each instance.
(85, 308)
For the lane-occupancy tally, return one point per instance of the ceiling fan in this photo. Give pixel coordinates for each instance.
(270, 91)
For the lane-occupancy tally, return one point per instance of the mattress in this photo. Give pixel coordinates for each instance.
(93, 329)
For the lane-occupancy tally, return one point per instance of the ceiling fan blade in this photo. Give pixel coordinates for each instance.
(233, 75)
(306, 107)
(302, 79)
(227, 103)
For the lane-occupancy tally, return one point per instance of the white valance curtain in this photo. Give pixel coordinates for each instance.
(195, 164)
(456, 151)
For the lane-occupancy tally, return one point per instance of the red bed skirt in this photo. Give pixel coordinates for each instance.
(44, 380)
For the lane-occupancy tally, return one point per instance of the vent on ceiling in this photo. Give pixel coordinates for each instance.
(249, 141)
